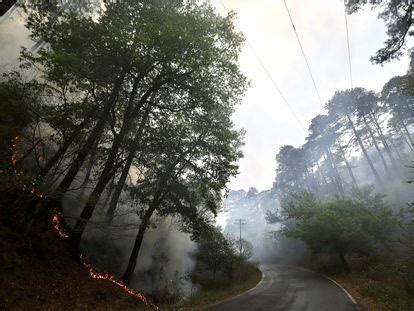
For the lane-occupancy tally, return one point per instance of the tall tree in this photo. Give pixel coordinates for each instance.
(187, 171)
(342, 109)
(185, 76)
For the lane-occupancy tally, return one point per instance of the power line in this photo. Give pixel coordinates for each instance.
(271, 78)
(349, 49)
(303, 53)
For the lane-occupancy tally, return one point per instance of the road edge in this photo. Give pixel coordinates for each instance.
(235, 296)
(353, 300)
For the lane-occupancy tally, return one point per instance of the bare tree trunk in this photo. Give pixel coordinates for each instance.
(88, 174)
(122, 179)
(322, 174)
(348, 166)
(407, 132)
(62, 150)
(344, 262)
(109, 169)
(383, 140)
(137, 244)
(337, 177)
(374, 140)
(364, 151)
(95, 134)
(110, 191)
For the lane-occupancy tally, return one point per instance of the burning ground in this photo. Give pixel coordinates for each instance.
(39, 272)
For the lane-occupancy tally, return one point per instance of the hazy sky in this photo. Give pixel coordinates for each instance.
(321, 26)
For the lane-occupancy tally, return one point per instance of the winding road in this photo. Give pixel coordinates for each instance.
(291, 289)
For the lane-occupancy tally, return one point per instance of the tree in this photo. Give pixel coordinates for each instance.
(323, 136)
(186, 172)
(397, 14)
(124, 71)
(291, 172)
(355, 224)
(243, 247)
(342, 110)
(216, 260)
(19, 101)
(399, 102)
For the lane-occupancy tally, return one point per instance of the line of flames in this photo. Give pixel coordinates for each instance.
(16, 157)
(56, 222)
(105, 276)
(57, 225)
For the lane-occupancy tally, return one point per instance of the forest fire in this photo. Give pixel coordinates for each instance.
(15, 154)
(57, 225)
(16, 158)
(105, 276)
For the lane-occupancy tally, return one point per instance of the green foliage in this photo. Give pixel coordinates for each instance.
(218, 263)
(397, 14)
(19, 103)
(357, 223)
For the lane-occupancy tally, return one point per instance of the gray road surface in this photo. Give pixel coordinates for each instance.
(291, 289)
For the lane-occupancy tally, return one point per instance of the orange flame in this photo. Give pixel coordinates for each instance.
(15, 154)
(56, 223)
(16, 157)
(105, 276)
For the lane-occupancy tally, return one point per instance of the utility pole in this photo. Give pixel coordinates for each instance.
(240, 222)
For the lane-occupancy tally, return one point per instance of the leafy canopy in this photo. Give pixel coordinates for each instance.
(357, 223)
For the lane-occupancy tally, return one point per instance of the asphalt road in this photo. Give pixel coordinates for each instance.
(291, 289)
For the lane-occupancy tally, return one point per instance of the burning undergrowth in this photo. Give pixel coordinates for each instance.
(39, 272)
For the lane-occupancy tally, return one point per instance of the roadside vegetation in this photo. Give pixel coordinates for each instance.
(354, 240)
(345, 194)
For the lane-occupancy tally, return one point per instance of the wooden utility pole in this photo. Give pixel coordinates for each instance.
(240, 222)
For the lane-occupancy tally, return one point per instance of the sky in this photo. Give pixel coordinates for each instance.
(268, 122)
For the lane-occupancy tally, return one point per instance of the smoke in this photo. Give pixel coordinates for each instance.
(252, 206)
(13, 36)
(270, 246)
(165, 259)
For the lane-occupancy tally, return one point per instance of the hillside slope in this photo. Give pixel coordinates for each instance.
(40, 273)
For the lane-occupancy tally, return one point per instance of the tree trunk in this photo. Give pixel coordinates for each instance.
(337, 177)
(383, 140)
(87, 175)
(109, 168)
(137, 245)
(364, 151)
(397, 152)
(79, 228)
(162, 190)
(93, 137)
(110, 190)
(408, 134)
(62, 150)
(374, 140)
(348, 166)
(344, 262)
(122, 179)
(322, 174)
